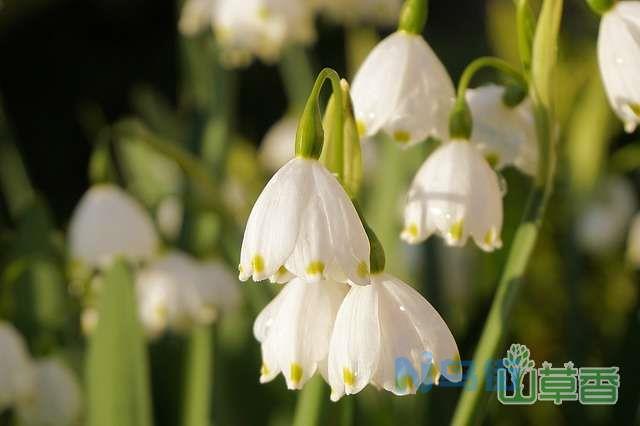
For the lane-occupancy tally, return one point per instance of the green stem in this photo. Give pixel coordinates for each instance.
(198, 378)
(309, 407)
(297, 76)
(413, 16)
(469, 407)
(359, 42)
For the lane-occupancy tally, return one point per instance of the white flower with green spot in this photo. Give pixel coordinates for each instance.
(16, 370)
(295, 328)
(619, 58)
(56, 399)
(403, 90)
(260, 28)
(505, 135)
(108, 223)
(457, 195)
(379, 324)
(176, 291)
(304, 223)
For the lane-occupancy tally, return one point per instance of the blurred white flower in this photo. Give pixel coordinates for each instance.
(383, 333)
(57, 398)
(633, 242)
(196, 16)
(16, 370)
(304, 222)
(169, 216)
(382, 12)
(456, 194)
(403, 90)
(619, 58)
(89, 320)
(108, 223)
(176, 291)
(295, 328)
(602, 224)
(505, 136)
(277, 147)
(260, 28)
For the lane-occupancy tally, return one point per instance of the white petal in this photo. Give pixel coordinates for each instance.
(390, 88)
(619, 59)
(57, 399)
(274, 222)
(16, 370)
(217, 289)
(505, 134)
(108, 223)
(355, 342)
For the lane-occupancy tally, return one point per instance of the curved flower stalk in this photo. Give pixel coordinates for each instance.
(304, 222)
(260, 28)
(633, 242)
(16, 370)
(277, 146)
(379, 325)
(619, 58)
(295, 328)
(350, 12)
(108, 223)
(176, 292)
(457, 195)
(403, 90)
(57, 398)
(506, 135)
(603, 222)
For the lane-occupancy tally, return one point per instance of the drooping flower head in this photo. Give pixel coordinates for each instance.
(295, 329)
(304, 222)
(619, 58)
(387, 334)
(16, 370)
(505, 135)
(402, 89)
(457, 195)
(108, 223)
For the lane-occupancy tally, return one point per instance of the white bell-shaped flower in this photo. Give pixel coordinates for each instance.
(304, 222)
(260, 27)
(16, 370)
(350, 12)
(387, 334)
(602, 224)
(295, 328)
(56, 400)
(403, 90)
(108, 223)
(619, 58)
(456, 194)
(176, 291)
(277, 147)
(633, 242)
(505, 135)
(196, 16)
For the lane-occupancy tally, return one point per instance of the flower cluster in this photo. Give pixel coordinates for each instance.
(41, 391)
(174, 290)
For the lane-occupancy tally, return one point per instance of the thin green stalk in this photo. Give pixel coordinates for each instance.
(474, 397)
(309, 407)
(198, 378)
(413, 16)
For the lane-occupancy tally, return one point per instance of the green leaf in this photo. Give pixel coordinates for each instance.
(117, 370)
(545, 46)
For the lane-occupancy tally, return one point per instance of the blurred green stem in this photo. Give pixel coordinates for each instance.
(359, 42)
(297, 76)
(198, 378)
(310, 401)
(469, 410)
